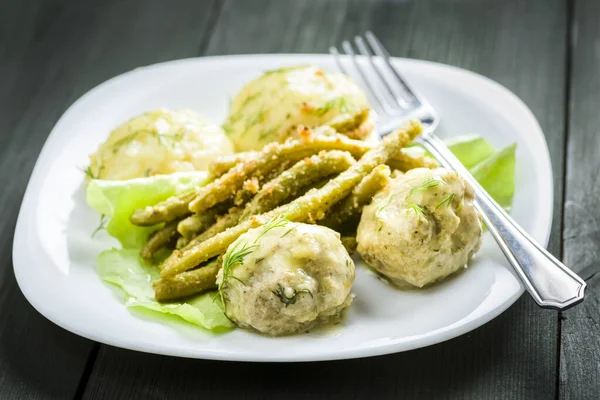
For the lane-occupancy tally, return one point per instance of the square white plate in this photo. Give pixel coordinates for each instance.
(55, 258)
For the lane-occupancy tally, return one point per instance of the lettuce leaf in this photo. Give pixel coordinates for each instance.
(126, 269)
(470, 149)
(118, 199)
(497, 175)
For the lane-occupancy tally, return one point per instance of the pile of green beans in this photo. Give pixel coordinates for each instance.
(324, 179)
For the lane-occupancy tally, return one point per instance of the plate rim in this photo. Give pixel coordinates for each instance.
(442, 334)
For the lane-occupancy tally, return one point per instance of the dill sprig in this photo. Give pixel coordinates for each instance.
(236, 256)
(258, 118)
(284, 69)
(269, 132)
(418, 209)
(427, 184)
(89, 172)
(447, 200)
(163, 138)
(339, 102)
(280, 293)
(250, 99)
(101, 226)
(381, 206)
(289, 231)
(278, 222)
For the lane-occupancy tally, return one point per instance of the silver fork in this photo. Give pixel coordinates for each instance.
(550, 283)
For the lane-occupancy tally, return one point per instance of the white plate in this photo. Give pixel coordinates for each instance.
(55, 258)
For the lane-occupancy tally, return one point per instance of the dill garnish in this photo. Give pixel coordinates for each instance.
(428, 183)
(250, 99)
(269, 132)
(284, 69)
(447, 200)
(278, 222)
(89, 173)
(289, 230)
(162, 138)
(236, 256)
(101, 225)
(260, 116)
(381, 206)
(339, 102)
(418, 209)
(280, 292)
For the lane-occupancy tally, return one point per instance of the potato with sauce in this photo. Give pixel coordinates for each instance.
(421, 228)
(286, 277)
(159, 142)
(271, 107)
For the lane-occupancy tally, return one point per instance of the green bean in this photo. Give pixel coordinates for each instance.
(310, 207)
(181, 242)
(273, 154)
(405, 162)
(251, 186)
(358, 148)
(222, 164)
(190, 226)
(302, 174)
(198, 223)
(349, 243)
(361, 196)
(159, 239)
(349, 124)
(172, 208)
(224, 222)
(188, 283)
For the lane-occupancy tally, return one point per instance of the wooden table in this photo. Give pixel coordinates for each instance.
(546, 51)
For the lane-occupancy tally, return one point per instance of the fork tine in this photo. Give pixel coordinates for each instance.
(338, 62)
(362, 48)
(336, 57)
(376, 94)
(382, 52)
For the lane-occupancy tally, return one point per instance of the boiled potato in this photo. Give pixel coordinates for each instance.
(159, 142)
(271, 107)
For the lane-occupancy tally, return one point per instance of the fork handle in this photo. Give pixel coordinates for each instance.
(550, 283)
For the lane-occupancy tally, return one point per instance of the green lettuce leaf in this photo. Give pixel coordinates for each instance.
(118, 199)
(494, 170)
(497, 175)
(126, 269)
(470, 149)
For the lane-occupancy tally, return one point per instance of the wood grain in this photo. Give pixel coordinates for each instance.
(513, 356)
(31, 99)
(580, 339)
(52, 52)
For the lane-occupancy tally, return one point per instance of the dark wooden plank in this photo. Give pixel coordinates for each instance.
(31, 347)
(580, 338)
(51, 53)
(519, 43)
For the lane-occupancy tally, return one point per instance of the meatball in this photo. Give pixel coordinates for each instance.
(286, 278)
(271, 107)
(159, 142)
(420, 228)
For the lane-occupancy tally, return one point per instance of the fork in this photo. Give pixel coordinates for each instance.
(550, 283)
